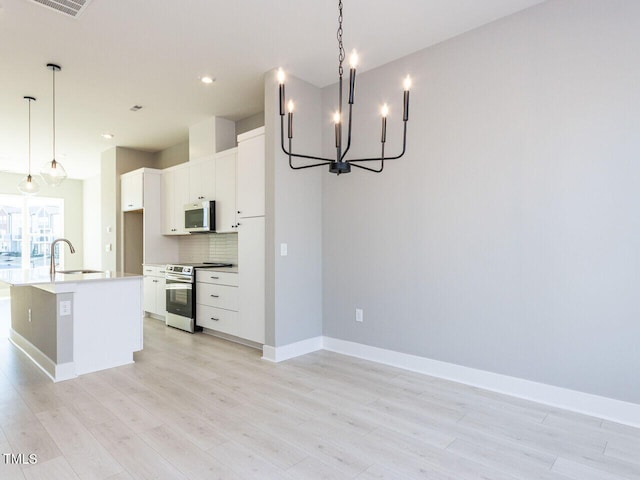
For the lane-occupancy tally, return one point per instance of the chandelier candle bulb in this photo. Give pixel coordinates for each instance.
(280, 77)
(384, 112)
(336, 120)
(353, 60)
(290, 119)
(407, 86)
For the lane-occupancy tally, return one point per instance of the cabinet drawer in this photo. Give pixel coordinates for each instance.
(224, 321)
(222, 296)
(221, 278)
(153, 270)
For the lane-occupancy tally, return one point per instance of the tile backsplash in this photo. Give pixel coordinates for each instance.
(214, 247)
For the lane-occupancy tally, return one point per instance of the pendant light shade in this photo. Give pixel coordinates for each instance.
(53, 173)
(28, 185)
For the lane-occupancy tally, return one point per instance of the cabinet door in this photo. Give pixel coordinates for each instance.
(131, 192)
(161, 296)
(251, 177)
(251, 283)
(181, 192)
(226, 192)
(175, 192)
(202, 180)
(167, 203)
(149, 294)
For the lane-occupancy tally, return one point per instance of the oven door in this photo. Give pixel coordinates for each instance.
(180, 306)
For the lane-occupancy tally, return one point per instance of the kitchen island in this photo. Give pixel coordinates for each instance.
(70, 324)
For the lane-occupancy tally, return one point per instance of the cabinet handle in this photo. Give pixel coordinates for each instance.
(148, 270)
(215, 296)
(155, 281)
(215, 278)
(200, 198)
(215, 319)
(239, 211)
(237, 224)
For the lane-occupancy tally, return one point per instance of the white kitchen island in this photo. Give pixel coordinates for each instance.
(75, 323)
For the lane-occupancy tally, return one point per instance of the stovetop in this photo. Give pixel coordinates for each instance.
(188, 270)
(203, 264)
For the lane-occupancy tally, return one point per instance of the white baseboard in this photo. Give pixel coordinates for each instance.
(279, 354)
(585, 403)
(56, 372)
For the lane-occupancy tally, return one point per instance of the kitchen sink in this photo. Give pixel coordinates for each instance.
(79, 271)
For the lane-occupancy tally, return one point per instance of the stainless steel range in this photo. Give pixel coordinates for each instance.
(181, 294)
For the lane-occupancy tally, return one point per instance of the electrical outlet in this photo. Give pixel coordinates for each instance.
(359, 315)
(65, 308)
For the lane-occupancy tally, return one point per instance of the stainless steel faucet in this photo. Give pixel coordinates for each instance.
(52, 266)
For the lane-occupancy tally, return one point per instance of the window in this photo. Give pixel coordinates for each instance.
(43, 221)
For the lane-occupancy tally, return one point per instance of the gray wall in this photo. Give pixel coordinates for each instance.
(172, 156)
(250, 123)
(293, 216)
(115, 162)
(507, 238)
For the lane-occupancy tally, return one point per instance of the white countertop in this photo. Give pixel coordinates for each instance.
(41, 277)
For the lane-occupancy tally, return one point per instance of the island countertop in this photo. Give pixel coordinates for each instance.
(40, 277)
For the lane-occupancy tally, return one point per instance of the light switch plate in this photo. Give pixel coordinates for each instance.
(283, 249)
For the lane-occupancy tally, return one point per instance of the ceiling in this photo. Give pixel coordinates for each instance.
(120, 53)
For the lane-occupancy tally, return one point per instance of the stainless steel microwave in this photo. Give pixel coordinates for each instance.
(200, 216)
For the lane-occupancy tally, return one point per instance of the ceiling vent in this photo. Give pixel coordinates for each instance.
(71, 8)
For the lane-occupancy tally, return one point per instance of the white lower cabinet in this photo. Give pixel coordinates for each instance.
(213, 318)
(217, 301)
(153, 290)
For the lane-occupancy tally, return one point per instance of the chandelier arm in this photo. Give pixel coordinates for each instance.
(303, 166)
(404, 148)
(375, 170)
(325, 161)
(369, 169)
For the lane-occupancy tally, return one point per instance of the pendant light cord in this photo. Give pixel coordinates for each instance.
(339, 35)
(54, 113)
(29, 137)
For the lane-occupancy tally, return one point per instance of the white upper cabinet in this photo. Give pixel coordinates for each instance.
(251, 174)
(132, 191)
(175, 195)
(202, 180)
(226, 191)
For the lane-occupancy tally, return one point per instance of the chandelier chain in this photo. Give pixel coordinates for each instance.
(339, 35)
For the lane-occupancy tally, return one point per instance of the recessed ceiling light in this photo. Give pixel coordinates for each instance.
(207, 80)
(108, 136)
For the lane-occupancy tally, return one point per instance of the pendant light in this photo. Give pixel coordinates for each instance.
(340, 164)
(53, 173)
(28, 185)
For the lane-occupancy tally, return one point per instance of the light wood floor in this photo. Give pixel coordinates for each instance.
(193, 406)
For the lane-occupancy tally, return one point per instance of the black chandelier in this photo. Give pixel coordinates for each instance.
(340, 165)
